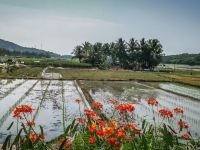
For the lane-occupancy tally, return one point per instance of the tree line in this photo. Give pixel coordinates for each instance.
(136, 55)
(185, 58)
(4, 52)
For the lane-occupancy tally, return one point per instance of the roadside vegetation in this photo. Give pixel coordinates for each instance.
(20, 72)
(45, 62)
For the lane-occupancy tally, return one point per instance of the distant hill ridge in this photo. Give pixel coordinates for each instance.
(15, 47)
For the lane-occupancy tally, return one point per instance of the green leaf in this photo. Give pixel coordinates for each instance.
(67, 129)
(143, 123)
(6, 142)
(72, 125)
(74, 130)
(41, 130)
(172, 129)
(17, 137)
(24, 128)
(144, 142)
(10, 126)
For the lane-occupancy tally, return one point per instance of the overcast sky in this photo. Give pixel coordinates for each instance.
(60, 25)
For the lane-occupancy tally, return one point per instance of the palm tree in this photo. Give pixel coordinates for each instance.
(113, 53)
(155, 48)
(121, 53)
(145, 53)
(133, 53)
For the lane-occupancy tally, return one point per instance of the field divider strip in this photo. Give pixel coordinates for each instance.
(63, 103)
(86, 104)
(5, 116)
(162, 89)
(42, 99)
(90, 100)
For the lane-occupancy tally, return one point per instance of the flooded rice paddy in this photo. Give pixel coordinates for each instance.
(138, 93)
(55, 107)
(53, 101)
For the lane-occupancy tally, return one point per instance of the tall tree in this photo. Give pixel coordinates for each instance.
(121, 53)
(113, 54)
(155, 49)
(87, 47)
(78, 52)
(133, 53)
(145, 53)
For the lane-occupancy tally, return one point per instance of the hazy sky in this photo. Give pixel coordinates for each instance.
(59, 25)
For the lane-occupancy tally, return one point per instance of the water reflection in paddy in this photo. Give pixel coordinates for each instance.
(53, 102)
(138, 93)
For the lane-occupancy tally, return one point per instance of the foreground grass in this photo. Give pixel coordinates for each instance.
(89, 74)
(29, 72)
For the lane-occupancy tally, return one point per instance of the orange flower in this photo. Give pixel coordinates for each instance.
(102, 123)
(111, 140)
(89, 113)
(17, 115)
(100, 133)
(18, 111)
(166, 113)
(97, 105)
(108, 130)
(123, 108)
(152, 101)
(82, 120)
(92, 140)
(91, 130)
(67, 143)
(185, 136)
(120, 133)
(129, 126)
(42, 137)
(178, 110)
(78, 100)
(34, 136)
(117, 144)
(183, 125)
(112, 101)
(93, 125)
(113, 124)
(30, 123)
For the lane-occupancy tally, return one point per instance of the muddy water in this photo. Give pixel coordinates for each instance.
(138, 93)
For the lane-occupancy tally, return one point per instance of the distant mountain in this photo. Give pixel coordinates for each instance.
(185, 58)
(14, 47)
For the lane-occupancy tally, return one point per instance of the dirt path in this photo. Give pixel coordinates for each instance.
(51, 75)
